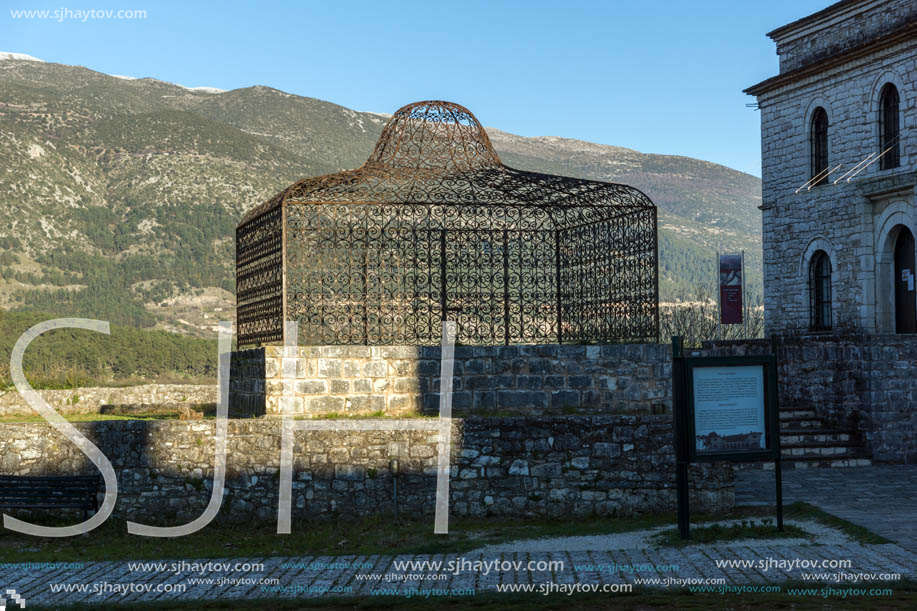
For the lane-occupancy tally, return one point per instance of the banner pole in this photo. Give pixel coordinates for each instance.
(679, 408)
(719, 299)
(744, 299)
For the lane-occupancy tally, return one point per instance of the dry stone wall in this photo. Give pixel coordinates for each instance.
(865, 382)
(400, 380)
(91, 400)
(547, 466)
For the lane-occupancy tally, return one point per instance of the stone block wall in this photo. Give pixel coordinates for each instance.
(91, 400)
(853, 221)
(512, 467)
(836, 36)
(865, 382)
(399, 380)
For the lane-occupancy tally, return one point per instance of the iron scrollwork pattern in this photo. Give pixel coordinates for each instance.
(432, 227)
(259, 271)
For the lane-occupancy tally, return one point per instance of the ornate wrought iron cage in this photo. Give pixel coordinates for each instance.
(434, 227)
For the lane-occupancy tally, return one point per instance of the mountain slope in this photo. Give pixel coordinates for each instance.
(703, 207)
(119, 197)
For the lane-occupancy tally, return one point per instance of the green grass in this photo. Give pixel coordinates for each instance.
(384, 535)
(377, 535)
(801, 511)
(806, 511)
(715, 533)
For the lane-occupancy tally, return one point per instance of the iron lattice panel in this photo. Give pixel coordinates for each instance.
(386, 274)
(434, 227)
(259, 285)
(609, 282)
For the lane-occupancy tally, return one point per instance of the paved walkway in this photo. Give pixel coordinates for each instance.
(881, 498)
(105, 582)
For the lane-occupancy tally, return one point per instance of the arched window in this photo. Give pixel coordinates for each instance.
(888, 127)
(820, 291)
(819, 138)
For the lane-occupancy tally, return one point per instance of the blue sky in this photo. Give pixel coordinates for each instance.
(659, 77)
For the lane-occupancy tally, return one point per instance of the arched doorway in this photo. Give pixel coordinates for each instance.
(905, 302)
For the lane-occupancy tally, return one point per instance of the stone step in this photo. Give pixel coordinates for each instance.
(855, 443)
(814, 435)
(808, 442)
(818, 462)
(823, 450)
(790, 414)
(814, 430)
(809, 423)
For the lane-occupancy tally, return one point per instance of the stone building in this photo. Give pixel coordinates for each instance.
(838, 167)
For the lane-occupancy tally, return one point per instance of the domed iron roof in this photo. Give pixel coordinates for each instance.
(437, 152)
(434, 135)
(434, 227)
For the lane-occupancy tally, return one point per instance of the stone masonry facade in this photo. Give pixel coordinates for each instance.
(860, 382)
(512, 467)
(405, 380)
(839, 59)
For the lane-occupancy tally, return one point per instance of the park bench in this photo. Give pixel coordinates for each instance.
(48, 492)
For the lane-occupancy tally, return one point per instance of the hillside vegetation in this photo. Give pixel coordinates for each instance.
(119, 198)
(68, 358)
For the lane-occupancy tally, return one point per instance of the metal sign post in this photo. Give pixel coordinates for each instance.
(681, 450)
(725, 409)
(778, 464)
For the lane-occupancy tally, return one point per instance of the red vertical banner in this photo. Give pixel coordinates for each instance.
(731, 289)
